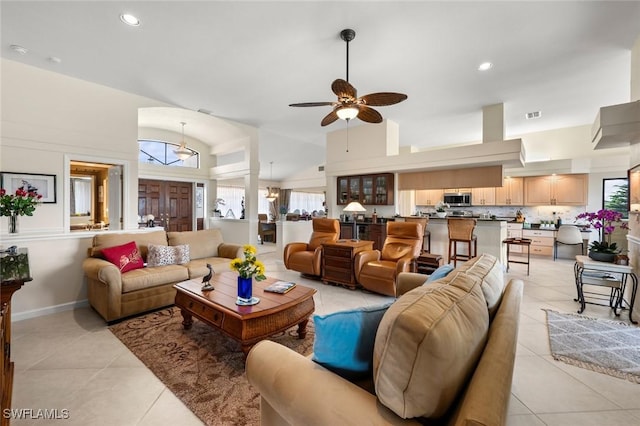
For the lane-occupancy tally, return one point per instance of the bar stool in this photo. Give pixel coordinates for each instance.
(461, 231)
(426, 239)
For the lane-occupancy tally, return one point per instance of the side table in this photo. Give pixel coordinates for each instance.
(604, 274)
(337, 261)
(7, 288)
(524, 242)
(426, 263)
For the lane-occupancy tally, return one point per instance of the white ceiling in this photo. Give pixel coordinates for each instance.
(246, 61)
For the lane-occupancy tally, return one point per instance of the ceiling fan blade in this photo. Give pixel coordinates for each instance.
(329, 118)
(369, 115)
(383, 98)
(343, 89)
(312, 104)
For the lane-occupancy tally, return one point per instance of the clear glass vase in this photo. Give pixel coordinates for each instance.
(13, 223)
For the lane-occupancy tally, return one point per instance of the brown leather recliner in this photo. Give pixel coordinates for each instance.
(307, 257)
(377, 270)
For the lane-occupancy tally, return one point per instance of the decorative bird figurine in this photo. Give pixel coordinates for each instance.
(206, 285)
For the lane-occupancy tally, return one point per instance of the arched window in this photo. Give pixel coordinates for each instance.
(162, 153)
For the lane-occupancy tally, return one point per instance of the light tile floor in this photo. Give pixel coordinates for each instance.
(71, 361)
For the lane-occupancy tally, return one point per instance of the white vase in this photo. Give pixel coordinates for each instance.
(441, 215)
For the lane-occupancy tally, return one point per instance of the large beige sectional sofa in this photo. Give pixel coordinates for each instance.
(444, 354)
(115, 295)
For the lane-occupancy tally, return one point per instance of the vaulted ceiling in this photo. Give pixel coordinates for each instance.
(246, 61)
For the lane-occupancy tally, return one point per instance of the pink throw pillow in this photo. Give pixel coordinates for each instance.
(126, 257)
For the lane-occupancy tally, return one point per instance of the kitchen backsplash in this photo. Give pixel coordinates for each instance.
(532, 214)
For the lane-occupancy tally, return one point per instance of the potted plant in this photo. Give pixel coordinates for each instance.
(440, 209)
(248, 268)
(605, 221)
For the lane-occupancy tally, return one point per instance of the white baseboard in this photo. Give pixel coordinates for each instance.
(19, 316)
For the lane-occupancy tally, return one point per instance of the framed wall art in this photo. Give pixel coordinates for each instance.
(44, 185)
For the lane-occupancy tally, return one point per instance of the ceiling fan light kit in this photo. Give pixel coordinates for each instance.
(347, 112)
(349, 105)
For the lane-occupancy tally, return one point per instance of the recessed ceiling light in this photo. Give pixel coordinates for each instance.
(130, 19)
(18, 49)
(533, 115)
(485, 66)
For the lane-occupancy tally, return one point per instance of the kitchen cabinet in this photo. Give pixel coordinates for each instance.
(347, 230)
(456, 190)
(541, 241)
(428, 197)
(364, 231)
(511, 193)
(563, 190)
(375, 189)
(514, 230)
(483, 196)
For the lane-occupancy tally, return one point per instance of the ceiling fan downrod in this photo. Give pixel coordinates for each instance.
(347, 35)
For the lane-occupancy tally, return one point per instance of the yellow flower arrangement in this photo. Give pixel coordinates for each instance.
(250, 266)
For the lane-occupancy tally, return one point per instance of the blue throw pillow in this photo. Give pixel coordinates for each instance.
(441, 272)
(344, 340)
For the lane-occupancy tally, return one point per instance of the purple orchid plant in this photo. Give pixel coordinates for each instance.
(605, 221)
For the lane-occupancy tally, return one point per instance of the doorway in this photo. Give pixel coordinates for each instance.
(171, 203)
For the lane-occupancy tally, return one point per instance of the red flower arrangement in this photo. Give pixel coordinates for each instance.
(22, 203)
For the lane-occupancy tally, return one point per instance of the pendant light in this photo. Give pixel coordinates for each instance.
(271, 195)
(182, 152)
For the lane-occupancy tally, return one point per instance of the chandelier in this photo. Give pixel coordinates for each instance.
(271, 195)
(182, 152)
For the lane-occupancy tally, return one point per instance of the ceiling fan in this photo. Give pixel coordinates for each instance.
(349, 105)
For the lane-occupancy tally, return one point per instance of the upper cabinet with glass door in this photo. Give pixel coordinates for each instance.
(375, 189)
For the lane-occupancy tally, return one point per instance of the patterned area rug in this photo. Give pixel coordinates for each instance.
(201, 366)
(605, 346)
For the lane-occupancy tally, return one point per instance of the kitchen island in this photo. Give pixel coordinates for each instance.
(490, 234)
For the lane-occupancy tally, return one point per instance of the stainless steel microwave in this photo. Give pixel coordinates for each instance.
(457, 199)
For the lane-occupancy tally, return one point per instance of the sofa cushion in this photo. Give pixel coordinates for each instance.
(201, 243)
(126, 256)
(168, 255)
(344, 340)
(489, 270)
(441, 272)
(152, 277)
(142, 239)
(198, 267)
(428, 344)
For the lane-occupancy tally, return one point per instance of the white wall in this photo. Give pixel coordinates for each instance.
(46, 116)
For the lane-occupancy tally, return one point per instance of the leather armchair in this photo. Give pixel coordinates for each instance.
(377, 270)
(307, 257)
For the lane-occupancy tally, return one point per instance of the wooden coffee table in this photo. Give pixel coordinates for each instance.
(246, 324)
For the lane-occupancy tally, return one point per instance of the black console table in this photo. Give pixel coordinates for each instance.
(604, 274)
(526, 242)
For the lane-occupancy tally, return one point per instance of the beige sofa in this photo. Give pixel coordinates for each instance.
(444, 354)
(115, 295)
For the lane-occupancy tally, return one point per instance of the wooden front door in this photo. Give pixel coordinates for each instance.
(171, 203)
